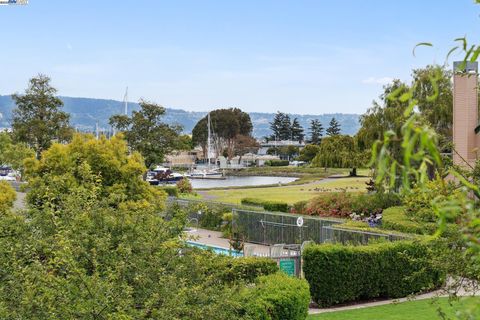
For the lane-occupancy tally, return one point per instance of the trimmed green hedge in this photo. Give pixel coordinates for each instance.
(248, 268)
(277, 163)
(395, 218)
(278, 297)
(172, 191)
(338, 273)
(267, 205)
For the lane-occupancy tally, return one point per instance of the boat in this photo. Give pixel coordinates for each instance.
(208, 172)
(162, 175)
(7, 174)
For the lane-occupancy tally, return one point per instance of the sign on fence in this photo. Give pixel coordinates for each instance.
(288, 266)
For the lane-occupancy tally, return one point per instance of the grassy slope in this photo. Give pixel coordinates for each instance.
(415, 310)
(289, 194)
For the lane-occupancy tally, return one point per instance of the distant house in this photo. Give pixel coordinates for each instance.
(265, 145)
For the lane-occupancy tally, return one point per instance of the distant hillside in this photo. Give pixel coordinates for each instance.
(86, 111)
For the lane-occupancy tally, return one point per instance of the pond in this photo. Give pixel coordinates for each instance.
(233, 181)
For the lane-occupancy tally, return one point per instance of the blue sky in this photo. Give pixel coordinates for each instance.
(298, 56)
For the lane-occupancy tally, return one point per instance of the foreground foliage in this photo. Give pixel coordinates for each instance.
(94, 243)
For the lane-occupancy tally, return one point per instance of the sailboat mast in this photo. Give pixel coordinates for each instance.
(125, 101)
(208, 139)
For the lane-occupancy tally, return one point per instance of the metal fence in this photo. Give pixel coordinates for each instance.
(349, 236)
(269, 228)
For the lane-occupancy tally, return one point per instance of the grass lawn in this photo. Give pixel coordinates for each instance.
(415, 310)
(290, 193)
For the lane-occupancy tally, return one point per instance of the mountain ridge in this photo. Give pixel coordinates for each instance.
(85, 112)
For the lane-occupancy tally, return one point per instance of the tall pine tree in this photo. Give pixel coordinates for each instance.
(286, 128)
(276, 125)
(334, 128)
(297, 131)
(316, 131)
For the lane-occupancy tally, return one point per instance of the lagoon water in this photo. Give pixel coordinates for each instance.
(233, 181)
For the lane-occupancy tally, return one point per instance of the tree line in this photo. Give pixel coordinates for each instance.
(38, 121)
(283, 128)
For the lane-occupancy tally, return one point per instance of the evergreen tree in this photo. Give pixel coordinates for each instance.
(297, 131)
(286, 128)
(38, 119)
(316, 131)
(334, 128)
(276, 124)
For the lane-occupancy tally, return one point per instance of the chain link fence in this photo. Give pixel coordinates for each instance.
(269, 228)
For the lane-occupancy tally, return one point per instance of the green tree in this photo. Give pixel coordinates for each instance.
(37, 119)
(227, 125)
(185, 142)
(286, 128)
(439, 112)
(334, 128)
(105, 165)
(13, 154)
(297, 131)
(276, 125)
(316, 131)
(309, 152)
(339, 151)
(146, 133)
(245, 144)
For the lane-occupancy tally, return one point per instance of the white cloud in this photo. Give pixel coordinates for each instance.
(69, 47)
(373, 80)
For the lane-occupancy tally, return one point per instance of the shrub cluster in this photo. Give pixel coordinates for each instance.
(247, 269)
(344, 204)
(184, 186)
(210, 215)
(396, 218)
(266, 204)
(172, 191)
(338, 273)
(277, 163)
(7, 196)
(418, 202)
(277, 297)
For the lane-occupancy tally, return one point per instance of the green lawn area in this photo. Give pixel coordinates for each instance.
(415, 310)
(290, 193)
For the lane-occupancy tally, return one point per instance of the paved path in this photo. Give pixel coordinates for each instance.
(20, 201)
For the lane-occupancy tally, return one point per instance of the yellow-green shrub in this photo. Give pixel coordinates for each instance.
(7, 196)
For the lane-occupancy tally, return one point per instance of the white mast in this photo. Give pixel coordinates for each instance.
(125, 101)
(208, 140)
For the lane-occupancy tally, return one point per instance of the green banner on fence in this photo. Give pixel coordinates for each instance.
(288, 266)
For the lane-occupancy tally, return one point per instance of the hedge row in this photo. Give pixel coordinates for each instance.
(338, 273)
(247, 268)
(172, 191)
(267, 205)
(277, 297)
(395, 218)
(277, 163)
